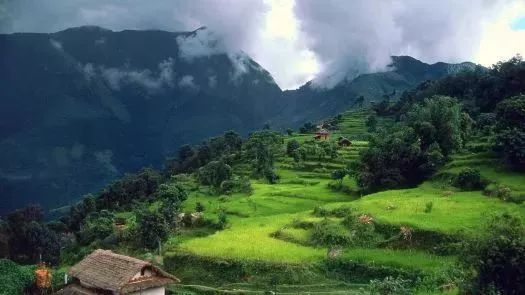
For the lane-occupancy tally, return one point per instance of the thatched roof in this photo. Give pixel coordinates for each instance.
(106, 270)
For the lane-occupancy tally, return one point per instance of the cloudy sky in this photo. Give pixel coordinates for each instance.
(296, 41)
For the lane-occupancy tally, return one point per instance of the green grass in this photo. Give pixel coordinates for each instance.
(254, 219)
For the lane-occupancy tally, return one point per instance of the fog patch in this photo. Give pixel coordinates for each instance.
(56, 44)
(117, 77)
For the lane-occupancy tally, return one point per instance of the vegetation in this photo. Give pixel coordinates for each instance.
(392, 212)
(15, 278)
(497, 258)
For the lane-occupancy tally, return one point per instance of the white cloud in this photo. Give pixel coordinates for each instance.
(203, 43)
(500, 41)
(352, 37)
(56, 44)
(297, 40)
(116, 77)
(187, 82)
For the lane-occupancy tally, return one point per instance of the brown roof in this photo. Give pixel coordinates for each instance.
(106, 270)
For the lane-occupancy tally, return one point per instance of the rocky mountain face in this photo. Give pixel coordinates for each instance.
(80, 107)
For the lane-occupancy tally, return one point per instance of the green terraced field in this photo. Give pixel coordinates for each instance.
(254, 219)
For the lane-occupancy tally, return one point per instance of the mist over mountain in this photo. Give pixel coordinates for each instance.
(82, 106)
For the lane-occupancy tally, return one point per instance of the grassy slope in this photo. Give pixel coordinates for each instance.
(254, 218)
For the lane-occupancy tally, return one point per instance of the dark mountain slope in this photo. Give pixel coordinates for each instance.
(82, 106)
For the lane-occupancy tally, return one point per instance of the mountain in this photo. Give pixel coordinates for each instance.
(80, 107)
(311, 102)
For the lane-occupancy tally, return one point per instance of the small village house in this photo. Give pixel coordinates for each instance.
(322, 134)
(105, 272)
(343, 141)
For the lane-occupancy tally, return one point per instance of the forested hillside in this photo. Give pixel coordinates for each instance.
(424, 195)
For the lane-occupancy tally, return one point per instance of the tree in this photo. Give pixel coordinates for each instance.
(261, 149)
(437, 119)
(152, 228)
(121, 193)
(300, 154)
(466, 124)
(97, 226)
(292, 146)
(329, 149)
(214, 173)
(29, 237)
(307, 128)
(371, 122)
(289, 131)
(339, 174)
(185, 152)
(171, 196)
(510, 131)
(496, 259)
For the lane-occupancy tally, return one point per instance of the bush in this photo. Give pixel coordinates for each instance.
(428, 207)
(390, 286)
(199, 207)
(470, 179)
(222, 220)
(271, 176)
(240, 185)
(326, 233)
(496, 259)
(15, 278)
(499, 191)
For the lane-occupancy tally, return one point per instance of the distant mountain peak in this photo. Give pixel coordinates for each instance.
(86, 28)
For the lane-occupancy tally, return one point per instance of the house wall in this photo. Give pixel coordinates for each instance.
(151, 291)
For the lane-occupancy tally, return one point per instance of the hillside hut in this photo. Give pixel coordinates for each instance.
(322, 134)
(105, 272)
(343, 141)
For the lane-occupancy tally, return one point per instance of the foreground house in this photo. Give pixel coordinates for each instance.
(105, 272)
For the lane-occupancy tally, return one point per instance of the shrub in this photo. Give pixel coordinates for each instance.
(271, 176)
(499, 191)
(496, 259)
(336, 212)
(390, 286)
(222, 220)
(199, 207)
(15, 278)
(469, 179)
(241, 185)
(362, 230)
(339, 174)
(428, 207)
(326, 233)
